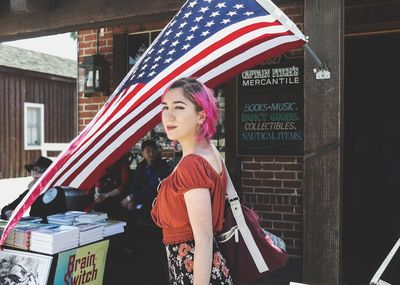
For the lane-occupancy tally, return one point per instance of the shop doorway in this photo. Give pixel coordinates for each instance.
(371, 156)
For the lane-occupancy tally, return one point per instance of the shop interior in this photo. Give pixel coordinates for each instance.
(371, 157)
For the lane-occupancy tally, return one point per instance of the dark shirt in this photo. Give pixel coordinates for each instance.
(143, 186)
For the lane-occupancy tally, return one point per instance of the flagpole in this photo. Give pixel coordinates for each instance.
(281, 17)
(321, 71)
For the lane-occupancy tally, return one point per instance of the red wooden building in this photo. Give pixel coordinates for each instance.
(38, 105)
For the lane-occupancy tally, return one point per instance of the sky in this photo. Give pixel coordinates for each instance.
(61, 45)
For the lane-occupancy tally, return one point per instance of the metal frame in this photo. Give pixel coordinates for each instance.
(376, 279)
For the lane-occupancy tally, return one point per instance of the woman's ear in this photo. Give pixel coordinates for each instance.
(201, 117)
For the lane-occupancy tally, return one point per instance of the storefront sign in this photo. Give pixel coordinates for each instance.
(83, 265)
(270, 109)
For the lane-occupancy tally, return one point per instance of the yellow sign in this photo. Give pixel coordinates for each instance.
(82, 265)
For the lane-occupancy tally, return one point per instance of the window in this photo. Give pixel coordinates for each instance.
(138, 44)
(33, 125)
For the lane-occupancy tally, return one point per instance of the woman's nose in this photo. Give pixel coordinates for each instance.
(168, 116)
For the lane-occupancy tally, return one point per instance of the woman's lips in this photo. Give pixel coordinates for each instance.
(169, 128)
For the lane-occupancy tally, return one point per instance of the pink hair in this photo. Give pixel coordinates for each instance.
(203, 99)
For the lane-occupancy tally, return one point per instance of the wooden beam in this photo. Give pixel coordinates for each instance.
(29, 6)
(323, 105)
(73, 15)
(373, 17)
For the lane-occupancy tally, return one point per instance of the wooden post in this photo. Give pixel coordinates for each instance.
(323, 106)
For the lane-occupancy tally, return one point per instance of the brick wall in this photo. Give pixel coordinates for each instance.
(270, 185)
(87, 45)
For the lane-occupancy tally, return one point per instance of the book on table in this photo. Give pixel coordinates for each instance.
(91, 217)
(19, 236)
(67, 218)
(89, 232)
(54, 239)
(112, 227)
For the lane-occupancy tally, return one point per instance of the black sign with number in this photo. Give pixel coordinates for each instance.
(270, 117)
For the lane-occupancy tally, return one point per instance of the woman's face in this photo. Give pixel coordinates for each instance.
(180, 119)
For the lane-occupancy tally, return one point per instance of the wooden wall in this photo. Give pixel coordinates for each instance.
(59, 96)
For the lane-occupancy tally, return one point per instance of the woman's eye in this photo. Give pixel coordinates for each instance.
(179, 107)
(164, 108)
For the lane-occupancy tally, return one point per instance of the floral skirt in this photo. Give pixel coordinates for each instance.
(180, 262)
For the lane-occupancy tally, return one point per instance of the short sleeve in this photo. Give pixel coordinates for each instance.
(192, 173)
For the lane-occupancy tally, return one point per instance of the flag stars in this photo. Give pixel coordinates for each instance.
(171, 52)
(141, 75)
(144, 67)
(182, 25)
(214, 14)
(198, 19)
(192, 4)
(147, 59)
(248, 13)
(205, 33)
(221, 5)
(209, 24)
(168, 60)
(185, 47)
(160, 50)
(187, 15)
(189, 38)
(177, 35)
(157, 58)
(151, 74)
(175, 43)
(154, 66)
(209, 1)
(168, 32)
(193, 29)
(151, 50)
(232, 13)
(203, 9)
(172, 23)
(164, 42)
(225, 21)
(238, 6)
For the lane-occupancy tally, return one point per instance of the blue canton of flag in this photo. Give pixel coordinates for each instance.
(193, 25)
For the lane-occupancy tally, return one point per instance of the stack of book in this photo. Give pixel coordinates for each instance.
(19, 236)
(112, 227)
(91, 217)
(89, 232)
(67, 218)
(54, 239)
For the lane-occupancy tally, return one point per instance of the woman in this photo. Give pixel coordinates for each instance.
(190, 202)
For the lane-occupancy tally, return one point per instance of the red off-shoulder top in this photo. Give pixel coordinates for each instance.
(170, 212)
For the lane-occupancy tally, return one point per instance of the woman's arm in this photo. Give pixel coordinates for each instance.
(198, 204)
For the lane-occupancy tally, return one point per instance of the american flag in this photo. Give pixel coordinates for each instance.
(211, 40)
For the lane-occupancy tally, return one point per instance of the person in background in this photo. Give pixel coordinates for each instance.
(109, 189)
(143, 187)
(143, 238)
(190, 202)
(36, 169)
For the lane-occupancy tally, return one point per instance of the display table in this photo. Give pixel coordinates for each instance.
(81, 265)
